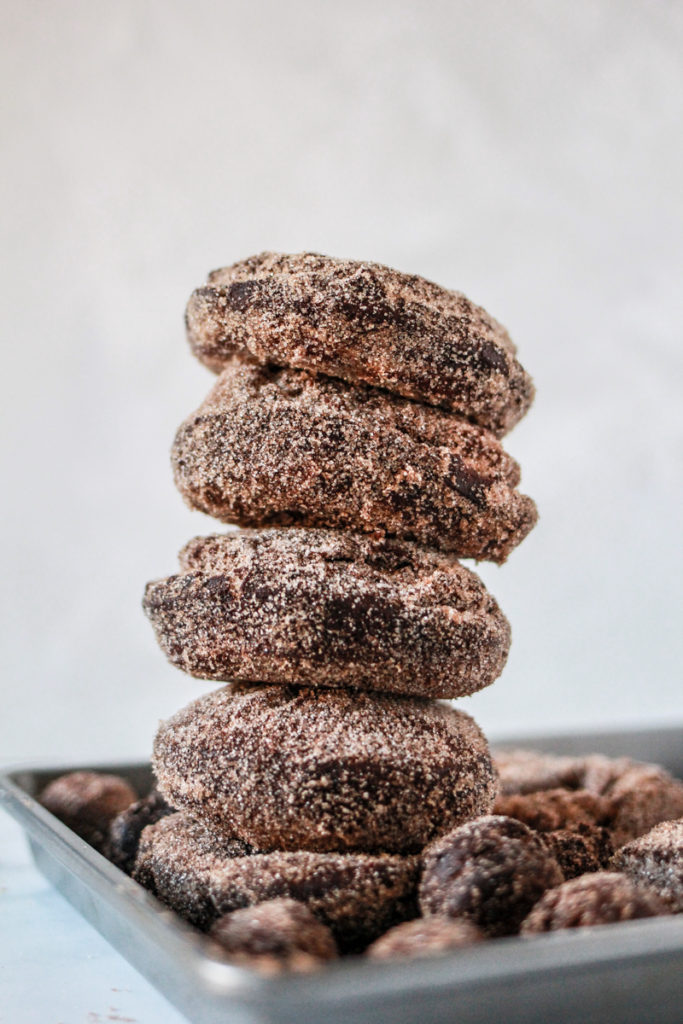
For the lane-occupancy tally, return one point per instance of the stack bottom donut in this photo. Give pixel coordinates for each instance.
(354, 428)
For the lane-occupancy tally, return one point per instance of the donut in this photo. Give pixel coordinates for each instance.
(366, 324)
(328, 608)
(288, 768)
(656, 860)
(275, 447)
(552, 809)
(357, 895)
(639, 795)
(601, 898)
(281, 934)
(424, 936)
(489, 871)
(87, 803)
(174, 860)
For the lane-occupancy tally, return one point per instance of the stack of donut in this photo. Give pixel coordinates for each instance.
(353, 433)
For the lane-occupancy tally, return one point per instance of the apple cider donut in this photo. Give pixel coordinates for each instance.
(286, 768)
(328, 608)
(280, 447)
(366, 324)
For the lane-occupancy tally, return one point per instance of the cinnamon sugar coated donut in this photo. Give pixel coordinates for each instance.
(552, 809)
(425, 936)
(357, 895)
(301, 769)
(365, 323)
(280, 447)
(656, 860)
(175, 859)
(281, 934)
(328, 608)
(638, 795)
(87, 802)
(489, 871)
(601, 898)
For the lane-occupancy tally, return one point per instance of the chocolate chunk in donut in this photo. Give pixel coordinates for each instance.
(364, 323)
(425, 936)
(490, 871)
(357, 895)
(656, 860)
(301, 769)
(87, 802)
(281, 934)
(328, 608)
(602, 898)
(279, 447)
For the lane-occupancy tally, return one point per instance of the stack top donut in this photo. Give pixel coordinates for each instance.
(366, 324)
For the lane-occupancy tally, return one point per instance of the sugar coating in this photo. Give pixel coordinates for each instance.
(656, 860)
(357, 895)
(580, 849)
(601, 898)
(301, 769)
(365, 323)
(490, 871)
(126, 828)
(175, 859)
(640, 795)
(329, 608)
(551, 809)
(280, 447)
(87, 802)
(281, 934)
(425, 936)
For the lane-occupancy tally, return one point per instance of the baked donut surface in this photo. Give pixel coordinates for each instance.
(196, 873)
(280, 447)
(364, 323)
(287, 768)
(328, 608)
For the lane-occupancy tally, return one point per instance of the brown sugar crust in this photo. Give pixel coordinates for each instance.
(601, 898)
(281, 934)
(551, 809)
(327, 608)
(490, 871)
(425, 936)
(279, 447)
(639, 795)
(126, 828)
(87, 802)
(580, 849)
(656, 860)
(301, 769)
(357, 895)
(366, 324)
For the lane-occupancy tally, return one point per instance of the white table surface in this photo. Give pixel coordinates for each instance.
(54, 967)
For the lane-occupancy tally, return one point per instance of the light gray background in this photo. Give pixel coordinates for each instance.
(527, 153)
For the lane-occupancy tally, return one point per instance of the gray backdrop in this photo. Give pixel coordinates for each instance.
(528, 153)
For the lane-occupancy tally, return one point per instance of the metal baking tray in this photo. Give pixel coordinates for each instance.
(631, 972)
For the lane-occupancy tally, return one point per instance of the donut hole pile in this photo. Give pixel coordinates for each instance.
(324, 799)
